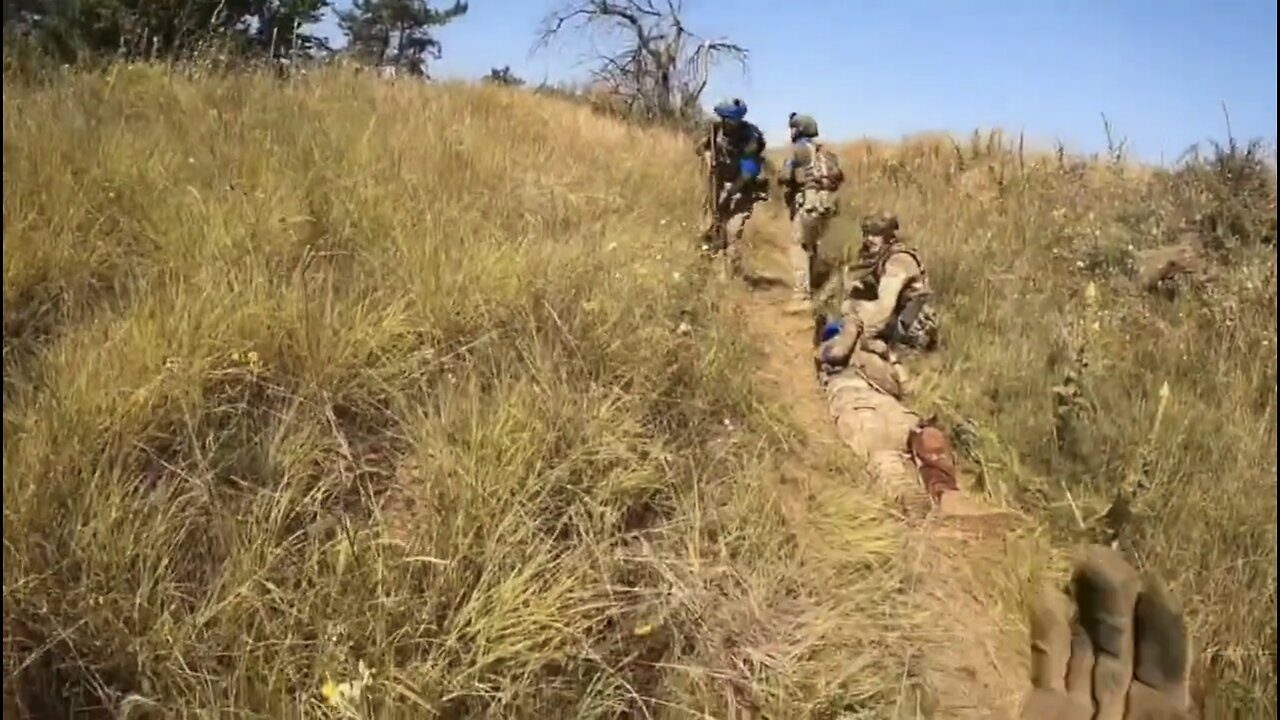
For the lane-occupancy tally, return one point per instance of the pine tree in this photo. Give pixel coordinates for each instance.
(396, 32)
(279, 27)
(71, 30)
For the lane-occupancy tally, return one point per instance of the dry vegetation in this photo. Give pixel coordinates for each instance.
(306, 377)
(1055, 398)
(302, 378)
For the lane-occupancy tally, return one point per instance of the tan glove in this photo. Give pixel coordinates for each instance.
(1125, 656)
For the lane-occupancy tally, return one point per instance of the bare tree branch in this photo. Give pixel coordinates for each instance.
(658, 63)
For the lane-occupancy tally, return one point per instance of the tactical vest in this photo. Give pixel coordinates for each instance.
(823, 170)
(733, 146)
(872, 267)
(921, 331)
(882, 259)
(819, 180)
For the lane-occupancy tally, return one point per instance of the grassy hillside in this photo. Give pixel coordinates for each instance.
(1012, 243)
(303, 379)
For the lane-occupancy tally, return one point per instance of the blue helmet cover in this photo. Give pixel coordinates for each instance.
(731, 109)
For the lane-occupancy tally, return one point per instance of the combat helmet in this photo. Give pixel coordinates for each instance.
(881, 224)
(730, 109)
(802, 126)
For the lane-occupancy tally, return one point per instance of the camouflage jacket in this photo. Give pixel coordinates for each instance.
(858, 277)
(798, 173)
(798, 161)
(872, 263)
(733, 142)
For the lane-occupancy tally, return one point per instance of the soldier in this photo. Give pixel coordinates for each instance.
(842, 344)
(810, 179)
(889, 293)
(897, 309)
(733, 150)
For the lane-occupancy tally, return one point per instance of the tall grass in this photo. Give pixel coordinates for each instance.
(336, 386)
(1012, 242)
(336, 381)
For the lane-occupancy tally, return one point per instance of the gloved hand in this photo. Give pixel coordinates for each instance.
(1124, 657)
(762, 189)
(835, 352)
(731, 192)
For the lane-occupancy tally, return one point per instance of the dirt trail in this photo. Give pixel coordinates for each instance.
(973, 664)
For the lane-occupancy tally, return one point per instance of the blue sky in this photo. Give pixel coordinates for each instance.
(1159, 69)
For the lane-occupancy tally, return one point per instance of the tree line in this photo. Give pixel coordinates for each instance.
(649, 62)
(378, 32)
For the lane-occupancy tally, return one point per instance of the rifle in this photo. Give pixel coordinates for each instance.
(899, 330)
(713, 237)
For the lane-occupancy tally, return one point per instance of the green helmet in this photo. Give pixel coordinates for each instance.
(883, 224)
(802, 126)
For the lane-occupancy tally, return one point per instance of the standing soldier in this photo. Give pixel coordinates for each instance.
(733, 150)
(810, 179)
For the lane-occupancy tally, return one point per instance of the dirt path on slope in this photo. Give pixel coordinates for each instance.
(973, 663)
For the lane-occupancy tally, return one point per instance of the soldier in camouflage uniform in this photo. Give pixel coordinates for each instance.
(733, 150)
(887, 293)
(810, 179)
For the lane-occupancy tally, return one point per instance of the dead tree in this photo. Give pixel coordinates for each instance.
(655, 65)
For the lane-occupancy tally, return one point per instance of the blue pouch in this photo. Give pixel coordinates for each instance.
(832, 329)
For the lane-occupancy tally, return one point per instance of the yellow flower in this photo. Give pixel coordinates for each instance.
(345, 695)
(330, 691)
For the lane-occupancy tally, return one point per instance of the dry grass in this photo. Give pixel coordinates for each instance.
(303, 377)
(1012, 243)
(306, 377)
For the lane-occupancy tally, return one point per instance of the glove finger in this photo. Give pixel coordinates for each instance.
(1162, 650)
(1080, 667)
(1043, 704)
(1106, 589)
(1050, 640)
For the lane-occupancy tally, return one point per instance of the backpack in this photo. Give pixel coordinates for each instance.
(824, 169)
(822, 179)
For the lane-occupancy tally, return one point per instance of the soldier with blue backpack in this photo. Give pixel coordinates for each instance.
(733, 151)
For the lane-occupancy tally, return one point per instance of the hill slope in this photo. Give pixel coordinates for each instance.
(303, 378)
(313, 377)
(1056, 398)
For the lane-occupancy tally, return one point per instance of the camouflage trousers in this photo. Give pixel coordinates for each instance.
(876, 427)
(806, 233)
(734, 224)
